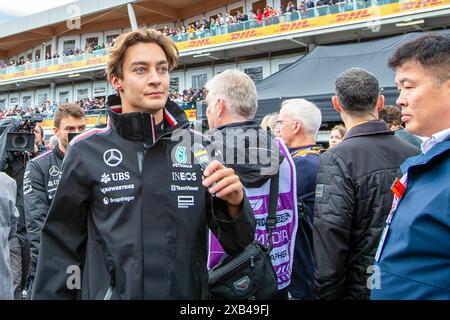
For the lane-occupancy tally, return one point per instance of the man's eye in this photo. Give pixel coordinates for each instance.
(139, 69)
(163, 69)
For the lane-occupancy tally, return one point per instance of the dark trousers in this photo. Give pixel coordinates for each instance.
(20, 264)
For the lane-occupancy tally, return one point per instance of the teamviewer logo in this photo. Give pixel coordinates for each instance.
(185, 202)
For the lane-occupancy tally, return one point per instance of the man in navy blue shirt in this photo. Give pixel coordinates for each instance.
(298, 123)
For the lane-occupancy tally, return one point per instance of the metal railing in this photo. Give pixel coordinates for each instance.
(54, 61)
(319, 11)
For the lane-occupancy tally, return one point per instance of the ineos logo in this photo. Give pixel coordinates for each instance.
(54, 171)
(112, 157)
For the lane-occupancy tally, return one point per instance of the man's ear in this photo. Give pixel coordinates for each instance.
(116, 83)
(297, 127)
(220, 108)
(380, 103)
(55, 131)
(336, 104)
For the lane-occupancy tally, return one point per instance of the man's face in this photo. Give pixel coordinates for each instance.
(69, 125)
(37, 135)
(425, 106)
(335, 138)
(145, 83)
(285, 127)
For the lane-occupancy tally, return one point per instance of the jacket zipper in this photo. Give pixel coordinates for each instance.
(112, 283)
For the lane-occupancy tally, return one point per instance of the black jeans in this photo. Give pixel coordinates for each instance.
(19, 249)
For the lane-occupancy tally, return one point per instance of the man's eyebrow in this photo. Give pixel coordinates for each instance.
(403, 80)
(145, 63)
(139, 63)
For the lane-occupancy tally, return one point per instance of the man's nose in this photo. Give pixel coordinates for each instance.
(401, 102)
(154, 78)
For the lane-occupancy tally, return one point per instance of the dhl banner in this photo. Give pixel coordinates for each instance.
(56, 68)
(90, 121)
(369, 14)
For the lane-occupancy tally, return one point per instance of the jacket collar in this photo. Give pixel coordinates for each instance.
(58, 153)
(374, 127)
(422, 159)
(245, 124)
(141, 126)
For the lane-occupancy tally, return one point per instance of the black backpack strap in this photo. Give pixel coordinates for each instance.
(271, 221)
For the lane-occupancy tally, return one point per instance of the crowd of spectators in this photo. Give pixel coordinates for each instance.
(267, 13)
(89, 48)
(47, 109)
(188, 98)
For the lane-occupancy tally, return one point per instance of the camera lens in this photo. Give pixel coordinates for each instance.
(19, 142)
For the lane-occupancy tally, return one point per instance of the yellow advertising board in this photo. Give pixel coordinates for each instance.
(368, 14)
(191, 114)
(90, 121)
(56, 68)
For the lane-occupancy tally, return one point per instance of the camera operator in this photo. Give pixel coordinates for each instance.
(16, 143)
(42, 176)
(39, 146)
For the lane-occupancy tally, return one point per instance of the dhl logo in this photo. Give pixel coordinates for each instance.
(419, 4)
(295, 25)
(243, 35)
(67, 66)
(198, 43)
(94, 61)
(342, 17)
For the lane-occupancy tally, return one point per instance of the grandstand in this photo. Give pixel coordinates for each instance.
(60, 54)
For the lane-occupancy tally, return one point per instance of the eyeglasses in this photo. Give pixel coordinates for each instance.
(280, 122)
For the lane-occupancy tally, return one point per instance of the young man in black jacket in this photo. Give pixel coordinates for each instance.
(42, 176)
(130, 217)
(353, 195)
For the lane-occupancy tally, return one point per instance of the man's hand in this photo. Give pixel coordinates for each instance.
(223, 183)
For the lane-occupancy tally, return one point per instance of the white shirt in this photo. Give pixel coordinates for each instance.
(435, 139)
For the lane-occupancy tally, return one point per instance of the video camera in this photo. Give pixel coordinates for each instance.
(22, 139)
(17, 136)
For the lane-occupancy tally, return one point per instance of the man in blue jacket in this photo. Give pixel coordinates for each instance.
(413, 257)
